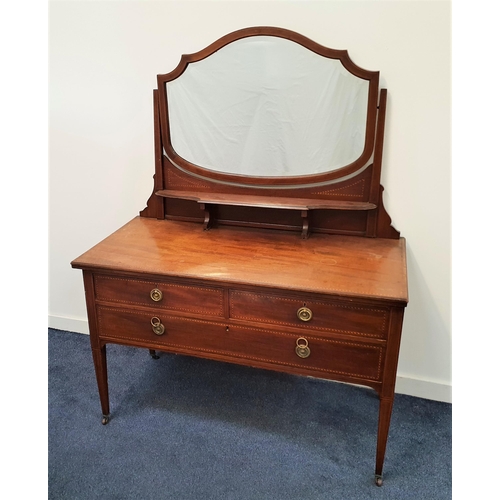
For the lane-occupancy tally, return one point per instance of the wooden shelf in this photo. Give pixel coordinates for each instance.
(205, 200)
(266, 201)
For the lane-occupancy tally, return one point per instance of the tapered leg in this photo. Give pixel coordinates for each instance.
(384, 421)
(101, 373)
(98, 349)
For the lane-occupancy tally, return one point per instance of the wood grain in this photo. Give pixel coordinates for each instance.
(343, 265)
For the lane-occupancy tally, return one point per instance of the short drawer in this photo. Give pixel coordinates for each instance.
(245, 345)
(163, 295)
(352, 319)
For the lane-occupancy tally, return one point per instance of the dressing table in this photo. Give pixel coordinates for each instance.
(265, 241)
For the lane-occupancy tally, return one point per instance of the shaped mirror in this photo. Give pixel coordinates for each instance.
(267, 106)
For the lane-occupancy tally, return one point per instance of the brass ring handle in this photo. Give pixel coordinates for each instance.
(304, 314)
(302, 348)
(156, 294)
(158, 328)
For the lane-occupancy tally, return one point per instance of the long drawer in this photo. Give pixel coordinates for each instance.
(218, 339)
(160, 294)
(337, 316)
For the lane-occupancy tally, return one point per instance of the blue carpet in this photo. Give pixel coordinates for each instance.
(187, 428)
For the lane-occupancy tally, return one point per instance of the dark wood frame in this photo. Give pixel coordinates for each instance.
(344, 201)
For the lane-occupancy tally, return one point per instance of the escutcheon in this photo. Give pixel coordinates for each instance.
(158, 328)
(302, 349)
(304, 314)
(156, 294)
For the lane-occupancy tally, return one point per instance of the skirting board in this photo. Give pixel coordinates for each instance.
(69, 324)
(426, 389)
(408, 385)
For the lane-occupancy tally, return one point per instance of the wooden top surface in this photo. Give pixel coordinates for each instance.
(330, 264)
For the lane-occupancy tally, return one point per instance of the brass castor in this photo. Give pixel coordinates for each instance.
(153, 354)
(105, 419)
(378, 480)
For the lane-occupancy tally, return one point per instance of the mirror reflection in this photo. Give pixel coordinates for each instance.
(268, 107)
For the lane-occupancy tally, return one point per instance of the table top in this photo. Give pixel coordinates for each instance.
(349, 266)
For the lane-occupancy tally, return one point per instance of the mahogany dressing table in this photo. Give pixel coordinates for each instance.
(265, 241)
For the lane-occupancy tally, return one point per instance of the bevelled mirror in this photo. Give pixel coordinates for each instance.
(268, 107)
(266, 128)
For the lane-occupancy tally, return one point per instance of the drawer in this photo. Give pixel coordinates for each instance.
(352, 319)
(172, 296)
(260, 346)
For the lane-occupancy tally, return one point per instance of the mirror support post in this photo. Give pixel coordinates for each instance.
(375, 195)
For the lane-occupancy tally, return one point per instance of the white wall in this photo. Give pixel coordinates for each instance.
(103, 60)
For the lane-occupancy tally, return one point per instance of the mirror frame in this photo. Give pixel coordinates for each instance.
(333, 176)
